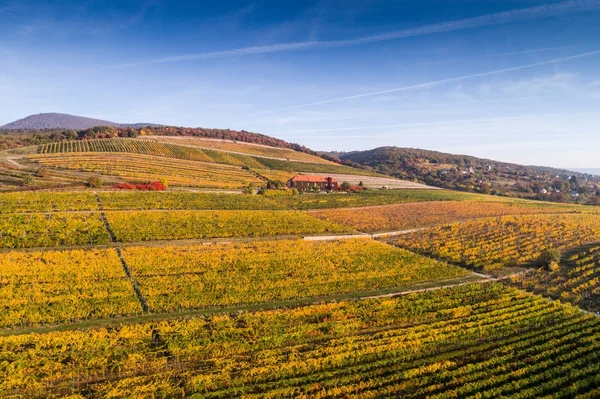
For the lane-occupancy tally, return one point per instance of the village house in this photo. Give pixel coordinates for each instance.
(308, 183)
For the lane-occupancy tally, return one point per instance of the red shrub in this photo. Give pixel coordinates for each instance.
(154, 186)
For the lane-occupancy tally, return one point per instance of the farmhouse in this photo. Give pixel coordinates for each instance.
(307, 183)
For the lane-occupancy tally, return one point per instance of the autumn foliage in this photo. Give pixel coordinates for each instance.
(154, 186)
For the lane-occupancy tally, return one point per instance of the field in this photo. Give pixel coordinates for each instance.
(280, 175)
(63, 286)
(14, 176)
(197, 294)
(191, 277)
(480, 340)
(508, 240)
(411, 215)
(113, 148)
(126, 145)
(575, 280)
(183, 200)
(295, 166)
(366, 198)
(241, 147)
(181, 225)
(46, 202)
(51, 230)
(377, 182)
(143, 168)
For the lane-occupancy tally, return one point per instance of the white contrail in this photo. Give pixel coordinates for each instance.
(435, 82)
(521, 14)
(420, 124)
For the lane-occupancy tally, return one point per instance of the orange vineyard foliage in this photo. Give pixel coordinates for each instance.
(480, 340)
(59, 286)
(507, 240)
(576, 280)
(411, 215)
(184, 277)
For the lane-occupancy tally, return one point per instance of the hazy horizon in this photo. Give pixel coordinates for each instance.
(514, 81)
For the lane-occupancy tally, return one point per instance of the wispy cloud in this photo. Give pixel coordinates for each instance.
(470, 121)
(522, 14)
(435, 82)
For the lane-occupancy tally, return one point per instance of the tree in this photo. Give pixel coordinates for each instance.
(94, 182)
(28, 180)
(550, 258)
(345, 186)
(69, 134)
(132, 133)
(275, 184)
(249, 189)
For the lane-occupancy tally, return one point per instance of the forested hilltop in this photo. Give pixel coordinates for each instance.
(468, 173)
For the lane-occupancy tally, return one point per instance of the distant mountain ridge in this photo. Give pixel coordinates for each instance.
(53, 120)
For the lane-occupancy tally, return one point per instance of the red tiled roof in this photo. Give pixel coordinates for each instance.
(310, 179)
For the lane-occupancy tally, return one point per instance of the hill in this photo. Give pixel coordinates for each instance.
(468, 173)
(54, 127)
(63, 121)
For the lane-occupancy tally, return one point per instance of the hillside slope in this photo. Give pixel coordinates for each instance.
(53, 120)
(468, 173)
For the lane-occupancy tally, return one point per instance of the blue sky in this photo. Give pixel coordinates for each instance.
(509, 80)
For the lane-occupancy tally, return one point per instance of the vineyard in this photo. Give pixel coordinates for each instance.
(365, 198)
(63, 286)
(85, 201)
(152, 148)
(576, 280)
(377, 182)
(110, 294)
(126, 145)
(143, 168)
(411, 215)
(241, 147)
(183, 200)
(191, 277)
(181, 225)
(480, 340)
(51, 230)
(46, 202)
(295, 166)
(509, 240)
(270, 174)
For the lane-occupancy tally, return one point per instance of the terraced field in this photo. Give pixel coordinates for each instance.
(143, 168)
(240, 147)
(153, 148)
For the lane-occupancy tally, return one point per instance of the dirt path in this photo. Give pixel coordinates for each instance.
(439, 287)
(11, 160)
